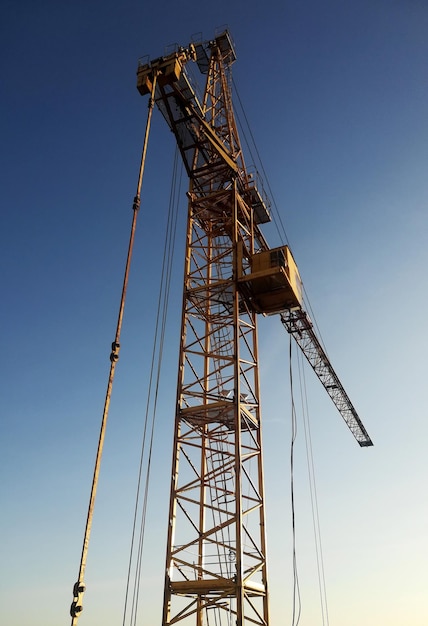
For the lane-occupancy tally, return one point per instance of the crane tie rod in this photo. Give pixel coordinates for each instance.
(79, 587)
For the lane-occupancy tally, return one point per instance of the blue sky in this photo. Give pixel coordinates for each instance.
(336, 94)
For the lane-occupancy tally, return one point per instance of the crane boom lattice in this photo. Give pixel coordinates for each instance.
(299, 325)
(216, 549)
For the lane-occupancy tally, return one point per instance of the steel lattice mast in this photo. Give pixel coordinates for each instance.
(216, 551)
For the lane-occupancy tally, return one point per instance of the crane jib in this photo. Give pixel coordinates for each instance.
(300, 327)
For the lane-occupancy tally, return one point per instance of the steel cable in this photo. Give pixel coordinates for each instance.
(313, 493)
(311, 471)
(79, 586)
(296, 611)
(154, 380)
(276, 216)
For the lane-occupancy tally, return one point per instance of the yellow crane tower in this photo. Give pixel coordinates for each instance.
(215, 570)
(216, 548)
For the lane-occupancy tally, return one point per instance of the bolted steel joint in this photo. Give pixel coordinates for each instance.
(114, 356)
(78, 591)
(75, 609)
(136, 204)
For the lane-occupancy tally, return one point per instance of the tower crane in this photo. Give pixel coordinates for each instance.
(215, 568)
(216, 548)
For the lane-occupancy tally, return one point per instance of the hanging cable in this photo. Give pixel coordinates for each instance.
(163, 296)
(156, 364)
(296, 589)
(277, 220)
(166, 281)
(79, 587)
(313, 493)
(276, 216)
(314, 503)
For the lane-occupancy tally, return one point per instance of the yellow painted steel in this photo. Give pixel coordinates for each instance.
(273, 283)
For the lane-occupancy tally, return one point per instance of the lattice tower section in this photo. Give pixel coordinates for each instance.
(216, 552)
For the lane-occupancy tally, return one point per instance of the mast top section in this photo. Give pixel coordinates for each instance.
(223, 43)
(169, 67)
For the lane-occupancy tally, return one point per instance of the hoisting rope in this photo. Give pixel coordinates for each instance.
(276, 216)
(296, 589)
(313, 492)
(253, 151)
(156, 364)
(79, 587)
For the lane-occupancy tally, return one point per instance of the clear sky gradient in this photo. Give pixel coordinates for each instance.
(336, 94)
